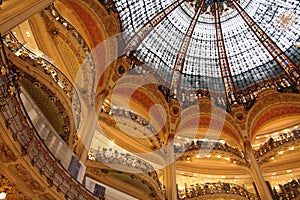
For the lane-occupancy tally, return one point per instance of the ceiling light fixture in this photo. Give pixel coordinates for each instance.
(2, 195)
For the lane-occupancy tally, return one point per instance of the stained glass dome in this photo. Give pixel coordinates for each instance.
(199, 44)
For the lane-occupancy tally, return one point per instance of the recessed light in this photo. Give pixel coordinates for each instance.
(292, 148)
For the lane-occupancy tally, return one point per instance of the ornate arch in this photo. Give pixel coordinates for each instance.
(272, 106)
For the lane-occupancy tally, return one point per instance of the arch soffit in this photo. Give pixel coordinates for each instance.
(91, 20)
(271, 106)
(205, 118)
(95, 25)
(142, 100)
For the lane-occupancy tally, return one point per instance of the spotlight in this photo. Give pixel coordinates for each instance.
(2, 195)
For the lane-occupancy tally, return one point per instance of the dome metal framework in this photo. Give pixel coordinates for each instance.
(236, 47)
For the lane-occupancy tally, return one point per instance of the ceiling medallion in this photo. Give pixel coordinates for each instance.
(285, 20)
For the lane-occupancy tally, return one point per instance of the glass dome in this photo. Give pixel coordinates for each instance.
(158, 30)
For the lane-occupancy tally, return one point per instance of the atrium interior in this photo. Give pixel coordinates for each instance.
(150, 100)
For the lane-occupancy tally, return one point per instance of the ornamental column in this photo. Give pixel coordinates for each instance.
(170, 173)
(256, 173)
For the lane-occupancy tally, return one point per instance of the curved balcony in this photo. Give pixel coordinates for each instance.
(46, 68)
(23, 132)
(120, 112)
(273, 146)
(187, 151)
(49, 81)
(288, 191)
(85, 56)
(110, 115)
(128, 164)
(204, 191)
(71, 29)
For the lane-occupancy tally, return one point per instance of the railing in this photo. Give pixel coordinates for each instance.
(58, 147)
(199, 146)
(23, 132)
(120, 112)
(60, 19)
(288, 191)
(126, 160)
(273, 145)
(87, 69)
(215, 188)
(130, 115)
(49, 69)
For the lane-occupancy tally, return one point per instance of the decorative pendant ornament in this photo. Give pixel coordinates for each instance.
(285, 20)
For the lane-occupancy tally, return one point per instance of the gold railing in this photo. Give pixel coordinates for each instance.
(109, 112)
(135, 117)
(270, 148)
(288, 191)
(87, 68)
(23, 132)
(129, 162)
(201, 148)
(47, 68)
(199, 190)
